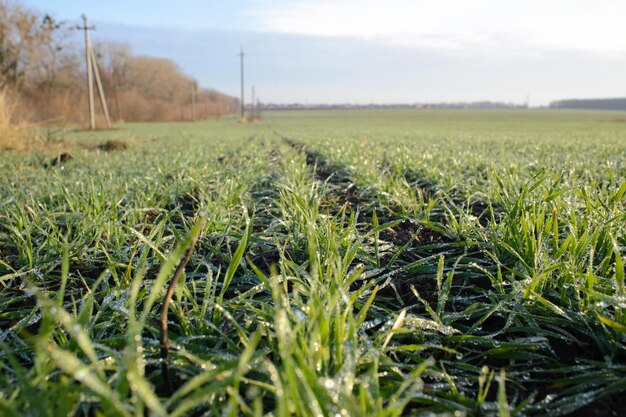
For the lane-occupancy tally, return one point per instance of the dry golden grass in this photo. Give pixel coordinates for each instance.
(15, 136)
(12, 135)
(8, 132)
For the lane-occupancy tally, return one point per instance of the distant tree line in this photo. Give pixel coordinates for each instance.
(591, 104)
(42, 67)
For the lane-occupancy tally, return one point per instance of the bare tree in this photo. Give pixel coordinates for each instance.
(114, 58)
(18, 33)
(54, 57)
(159, 78)
(43, 68)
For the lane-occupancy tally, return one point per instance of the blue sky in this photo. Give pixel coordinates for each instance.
(180, 14)
(362, 51)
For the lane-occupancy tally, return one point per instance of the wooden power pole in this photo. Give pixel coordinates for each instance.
(103, 100)
(194, 87)
(92, 68)
(252, 106)
(88, 61)
(243, 116)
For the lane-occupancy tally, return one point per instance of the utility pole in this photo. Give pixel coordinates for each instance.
(92, 68)
(243, 116)
(193, 101)
(103, 100)
(92, 114)
(253, 107)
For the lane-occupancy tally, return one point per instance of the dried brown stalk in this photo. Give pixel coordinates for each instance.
(165, 342)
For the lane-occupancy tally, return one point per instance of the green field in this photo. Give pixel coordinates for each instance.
(348, 263)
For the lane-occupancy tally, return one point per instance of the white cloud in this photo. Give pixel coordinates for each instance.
(484, 26)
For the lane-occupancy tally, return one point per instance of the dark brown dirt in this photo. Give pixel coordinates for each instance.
(264, 261)
(426, 287)
(188, 202)
(113, 145)
(8, 252)
(151, 215)
(60, 159)
(401, 233)
(342, 198)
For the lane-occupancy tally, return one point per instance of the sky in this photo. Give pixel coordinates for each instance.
(374, 51)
